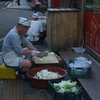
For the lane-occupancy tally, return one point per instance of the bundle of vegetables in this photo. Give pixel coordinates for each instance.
(45, 74)
(43, 54)
(51, 53)
(66, 86)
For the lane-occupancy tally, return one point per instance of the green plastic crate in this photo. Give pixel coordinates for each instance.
(79, 72)
(61, 96)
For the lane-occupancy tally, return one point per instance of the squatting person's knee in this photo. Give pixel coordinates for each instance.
(26, 65)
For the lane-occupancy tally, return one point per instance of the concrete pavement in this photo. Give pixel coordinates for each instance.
(24, 4)
(9, 16)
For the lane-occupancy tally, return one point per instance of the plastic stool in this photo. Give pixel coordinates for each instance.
(7, 73)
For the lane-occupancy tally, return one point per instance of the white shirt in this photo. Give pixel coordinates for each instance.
(33, 32)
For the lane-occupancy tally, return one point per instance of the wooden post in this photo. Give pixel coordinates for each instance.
(64, 29)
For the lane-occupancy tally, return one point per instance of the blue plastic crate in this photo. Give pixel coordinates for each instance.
(79, 72)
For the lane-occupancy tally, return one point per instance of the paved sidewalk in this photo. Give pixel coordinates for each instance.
(24, 4)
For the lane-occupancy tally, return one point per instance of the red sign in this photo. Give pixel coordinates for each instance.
(92, 31)
(56, 3)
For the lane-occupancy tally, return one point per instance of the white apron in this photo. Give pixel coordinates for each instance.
(12, 59)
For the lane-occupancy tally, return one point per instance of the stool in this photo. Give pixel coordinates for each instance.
(7, 73)
(60, 64)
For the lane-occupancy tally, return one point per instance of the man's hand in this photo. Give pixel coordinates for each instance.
(34, 52)
(26, 51)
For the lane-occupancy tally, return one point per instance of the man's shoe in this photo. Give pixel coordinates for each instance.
(23, 76)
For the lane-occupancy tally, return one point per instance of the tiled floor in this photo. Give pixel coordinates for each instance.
(13, 90)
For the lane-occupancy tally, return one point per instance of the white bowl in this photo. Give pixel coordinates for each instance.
(79, 49)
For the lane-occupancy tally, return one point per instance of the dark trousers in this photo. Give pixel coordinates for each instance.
(37, 8)
(18, 2)
(41, 39)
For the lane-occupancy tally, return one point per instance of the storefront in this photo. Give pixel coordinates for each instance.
(92, 26)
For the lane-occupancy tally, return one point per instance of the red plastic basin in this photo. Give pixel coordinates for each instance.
(43, 83)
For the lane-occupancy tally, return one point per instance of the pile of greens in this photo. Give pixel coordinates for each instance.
(66, 86)
(45, 74)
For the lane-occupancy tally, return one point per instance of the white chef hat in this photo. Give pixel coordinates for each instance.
(35, 15)
(24, 21)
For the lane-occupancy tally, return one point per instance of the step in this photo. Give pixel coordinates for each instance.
(91, 85)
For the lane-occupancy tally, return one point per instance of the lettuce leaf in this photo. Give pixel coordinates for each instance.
(66, 86)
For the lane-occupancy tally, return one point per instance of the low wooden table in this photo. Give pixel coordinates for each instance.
(60, 64)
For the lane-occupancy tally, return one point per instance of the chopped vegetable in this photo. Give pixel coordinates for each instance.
(45, 74)
(66, 86)
(51, 53)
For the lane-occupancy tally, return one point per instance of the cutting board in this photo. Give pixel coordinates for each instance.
(51, 59)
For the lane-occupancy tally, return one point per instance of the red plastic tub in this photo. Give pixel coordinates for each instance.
(43, 83)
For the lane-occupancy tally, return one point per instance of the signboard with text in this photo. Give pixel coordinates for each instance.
(92, 31)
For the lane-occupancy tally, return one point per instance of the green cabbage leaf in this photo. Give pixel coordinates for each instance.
(66, 86)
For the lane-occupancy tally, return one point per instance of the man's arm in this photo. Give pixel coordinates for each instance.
(31, 47)
(28, 50)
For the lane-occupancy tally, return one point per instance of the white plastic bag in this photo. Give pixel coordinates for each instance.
(81, 62)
